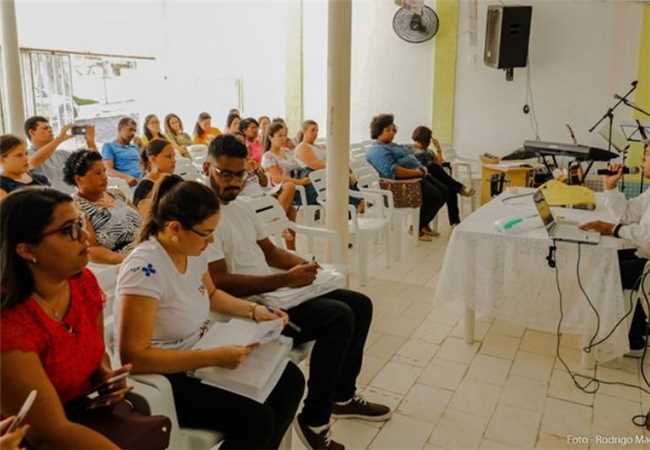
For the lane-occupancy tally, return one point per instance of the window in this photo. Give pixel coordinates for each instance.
(75, 87)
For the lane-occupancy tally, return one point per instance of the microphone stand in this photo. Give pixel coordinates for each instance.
(610, 116)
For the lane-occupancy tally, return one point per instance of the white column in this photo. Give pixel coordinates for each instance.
(339, 44)
(13, 88)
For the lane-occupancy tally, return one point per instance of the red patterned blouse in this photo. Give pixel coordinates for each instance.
(71, 350)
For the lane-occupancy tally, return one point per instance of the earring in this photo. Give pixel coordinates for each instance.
(174, 239)
(34, 260)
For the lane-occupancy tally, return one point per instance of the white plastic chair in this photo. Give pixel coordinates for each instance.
(463, 168)
(122, 185)
(275, 221)
(198, 152)
(376, 221)
(368, 181)
(187, 170)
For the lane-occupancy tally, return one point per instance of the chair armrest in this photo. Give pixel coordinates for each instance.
(321, 233)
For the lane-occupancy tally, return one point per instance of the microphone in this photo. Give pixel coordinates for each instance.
(626, 170)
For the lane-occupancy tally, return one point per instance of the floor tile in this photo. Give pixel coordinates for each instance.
(563, 418)
(443, 374)
(402, 432)
(371, 367)
(531, 365)
(547, 441)
(476, 398)
(488, 369)
(396, 377)
(514, 426)
(458, 430)
(454, 349)
(539, 342)
(354, 434)
(506, 328)
(524, 393)
(433, 332)
(425, 403)
(563, 387)
(480, 330)
(386, 346)
(500, 346)
(418, 352)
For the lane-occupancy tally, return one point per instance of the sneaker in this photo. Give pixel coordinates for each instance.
(316, 441)
(360, 408)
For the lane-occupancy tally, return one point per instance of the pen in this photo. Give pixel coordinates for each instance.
(289, 323)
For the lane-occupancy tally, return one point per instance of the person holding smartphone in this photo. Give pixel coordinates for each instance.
(51, 326)
(10, 439)
(164, 297)
(44, 159)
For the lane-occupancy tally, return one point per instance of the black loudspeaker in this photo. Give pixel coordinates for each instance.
(506, 36)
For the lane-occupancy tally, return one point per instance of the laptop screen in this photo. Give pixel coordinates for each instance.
(543, 209)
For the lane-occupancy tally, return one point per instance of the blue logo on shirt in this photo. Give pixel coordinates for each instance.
(148, 270)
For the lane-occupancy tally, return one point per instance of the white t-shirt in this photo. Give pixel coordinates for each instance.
(183, 304)
(235, 240)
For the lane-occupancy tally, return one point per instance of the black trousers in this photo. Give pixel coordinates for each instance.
(631, 267)
(339, 323)
(246, 423)
(434, 196)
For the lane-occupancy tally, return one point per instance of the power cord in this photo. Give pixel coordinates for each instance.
(638, 420)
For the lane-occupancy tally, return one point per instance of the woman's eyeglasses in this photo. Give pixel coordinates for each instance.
(73, 229)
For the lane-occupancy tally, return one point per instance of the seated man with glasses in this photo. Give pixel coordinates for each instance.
(241, 262)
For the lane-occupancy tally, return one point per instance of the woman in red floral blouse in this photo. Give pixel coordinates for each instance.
(51, 327)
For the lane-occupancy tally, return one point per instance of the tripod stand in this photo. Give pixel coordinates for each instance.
(609, 115)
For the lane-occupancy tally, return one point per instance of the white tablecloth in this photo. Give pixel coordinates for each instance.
(507, 276)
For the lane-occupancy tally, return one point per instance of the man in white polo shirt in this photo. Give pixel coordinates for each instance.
(240, 263)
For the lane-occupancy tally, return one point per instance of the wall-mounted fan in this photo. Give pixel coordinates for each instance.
(413, 27)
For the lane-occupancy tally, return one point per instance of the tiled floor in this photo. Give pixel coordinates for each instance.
(506, 391)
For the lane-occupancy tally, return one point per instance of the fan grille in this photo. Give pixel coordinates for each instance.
(402, 25)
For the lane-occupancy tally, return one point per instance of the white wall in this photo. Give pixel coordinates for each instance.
(581, 53)
(388, 74)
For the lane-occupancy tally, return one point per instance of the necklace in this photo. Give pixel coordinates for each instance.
(45, 305)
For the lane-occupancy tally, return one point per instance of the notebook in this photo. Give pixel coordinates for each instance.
(327, 280)
(256, 377)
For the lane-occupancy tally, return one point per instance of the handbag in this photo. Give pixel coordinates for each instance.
(406, 193)
(124, 426)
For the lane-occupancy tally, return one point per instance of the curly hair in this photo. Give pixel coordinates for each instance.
(78, 164)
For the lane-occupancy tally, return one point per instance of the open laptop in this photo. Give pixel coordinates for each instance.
(562, 231)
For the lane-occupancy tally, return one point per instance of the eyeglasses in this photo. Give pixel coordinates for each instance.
(73, 230)
(200, 233)
(230, 176)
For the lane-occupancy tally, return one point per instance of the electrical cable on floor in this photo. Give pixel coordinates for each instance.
(594, 380)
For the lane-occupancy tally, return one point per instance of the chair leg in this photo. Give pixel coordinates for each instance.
(415, 219)
(398, 230)
(362, 255)
(434, 224)
(388, 245)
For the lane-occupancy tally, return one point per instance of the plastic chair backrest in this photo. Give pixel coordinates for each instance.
(269, 211)
(198, 152)
(186, 170)
(318, 179)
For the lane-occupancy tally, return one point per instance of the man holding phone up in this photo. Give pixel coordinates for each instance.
(43, 158)
(633, 225)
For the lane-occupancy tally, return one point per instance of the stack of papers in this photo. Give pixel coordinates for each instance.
(285, 298)
(256, 377)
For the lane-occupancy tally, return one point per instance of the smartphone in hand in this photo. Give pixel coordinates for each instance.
(78, 130)
(24, 410)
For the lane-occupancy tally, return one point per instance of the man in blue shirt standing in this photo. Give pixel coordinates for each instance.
(121, 157)
(395, 161)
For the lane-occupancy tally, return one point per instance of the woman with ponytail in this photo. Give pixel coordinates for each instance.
(157, 158)
(164, 297)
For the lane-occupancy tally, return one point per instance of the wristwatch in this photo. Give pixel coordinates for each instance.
(616, 230)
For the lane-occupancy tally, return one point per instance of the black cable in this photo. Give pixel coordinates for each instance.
(517, 196)
(593, 380)
(588, 348)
